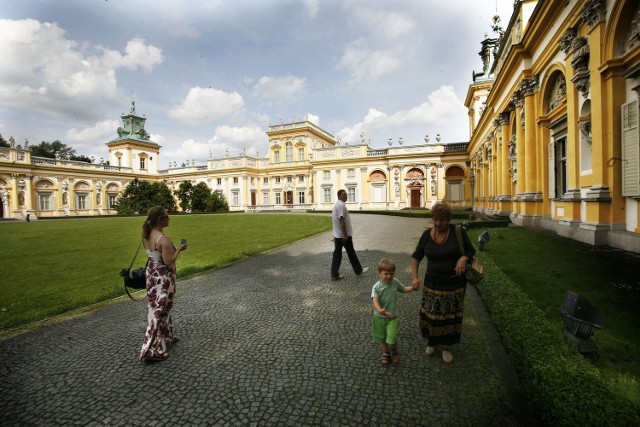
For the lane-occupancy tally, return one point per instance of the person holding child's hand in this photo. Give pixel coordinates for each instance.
(385, 314)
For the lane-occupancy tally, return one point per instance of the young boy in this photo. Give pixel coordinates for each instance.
(385, 314)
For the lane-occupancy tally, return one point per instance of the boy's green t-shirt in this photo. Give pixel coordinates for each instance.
(387, 295)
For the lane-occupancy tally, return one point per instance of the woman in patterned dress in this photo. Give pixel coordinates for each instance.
(444, 282)
(161, 285)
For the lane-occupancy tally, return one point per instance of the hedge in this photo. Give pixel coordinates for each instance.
(562, 387)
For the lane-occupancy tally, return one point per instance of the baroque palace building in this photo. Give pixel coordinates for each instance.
(554, 143)
(554, 120)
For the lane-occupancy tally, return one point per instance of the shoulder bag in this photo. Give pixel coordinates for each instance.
(474, 272)
(135, 278)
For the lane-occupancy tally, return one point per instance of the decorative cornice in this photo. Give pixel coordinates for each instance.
(528, 86)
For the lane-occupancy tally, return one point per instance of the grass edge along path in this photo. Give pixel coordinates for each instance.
(563, 388)
(40, 283)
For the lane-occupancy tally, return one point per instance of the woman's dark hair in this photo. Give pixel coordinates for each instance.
(153, 216)
(441, 211)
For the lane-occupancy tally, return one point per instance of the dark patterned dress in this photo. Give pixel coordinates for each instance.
(161, 290)
(442, 305)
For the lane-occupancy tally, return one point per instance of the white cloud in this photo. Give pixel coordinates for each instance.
(203, 105)
(313, 119)
(390, 25)
(441, 110)
(311, 8)
(365, 64)
(283, 89)
(137, 54)
(43, 70)
(226, 139)
(104, 130)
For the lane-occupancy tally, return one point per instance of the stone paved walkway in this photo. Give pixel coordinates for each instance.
(270, 341)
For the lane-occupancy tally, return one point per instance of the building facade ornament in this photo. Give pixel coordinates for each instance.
(580, 64)
(528, 86)
(567, 39)
(594, 12)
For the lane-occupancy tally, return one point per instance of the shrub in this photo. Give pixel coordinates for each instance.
(563, 388)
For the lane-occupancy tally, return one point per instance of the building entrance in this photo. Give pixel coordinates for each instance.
(415, 197)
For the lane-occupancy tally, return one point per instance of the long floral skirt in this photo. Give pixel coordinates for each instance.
(161, 289)
(441, 310)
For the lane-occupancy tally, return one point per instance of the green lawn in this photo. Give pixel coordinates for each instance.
(49, 267)
(545, 266)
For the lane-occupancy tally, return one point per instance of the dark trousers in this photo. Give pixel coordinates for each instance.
(337, 256)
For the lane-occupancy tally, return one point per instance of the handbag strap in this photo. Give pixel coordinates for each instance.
(136, 255)
(459, 237)
(131, 265)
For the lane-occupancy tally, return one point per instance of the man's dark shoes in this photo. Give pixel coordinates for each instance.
(337, 278)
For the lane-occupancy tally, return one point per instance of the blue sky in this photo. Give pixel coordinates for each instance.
(211, 75)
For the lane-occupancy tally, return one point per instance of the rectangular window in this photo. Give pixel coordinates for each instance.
(219, 181)
(351, 194)
(351, 173)
(301, 197)
(235, 198)
(276, 157)
(301, 179)
(289, 178)
(253, 180)
(277, 180)
(265, 181)
(278, 198)
(327, 195)
(561, 167)
(81, 201)
(265, 198)
(630, 150)
(111, 200)
(235, 179)
(143, 163)
(326, 175)
(301, 154)
(289, 152)
(44, 201)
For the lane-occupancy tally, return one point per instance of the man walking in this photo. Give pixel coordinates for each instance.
(343, 236)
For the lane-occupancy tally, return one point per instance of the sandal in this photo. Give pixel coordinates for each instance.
(395, 357)
(385, 359)
(158, 358)
(430, 351)
(447, 357)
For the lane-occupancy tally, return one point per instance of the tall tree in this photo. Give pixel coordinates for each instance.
(217, 202)
(183, 193)
(81, 158)
(139, 196)
(199, 197)
(3, 142)
(51, 149)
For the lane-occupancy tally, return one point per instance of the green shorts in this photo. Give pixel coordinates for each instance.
(385, 330)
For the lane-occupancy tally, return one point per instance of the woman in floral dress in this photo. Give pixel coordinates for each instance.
(161, 285)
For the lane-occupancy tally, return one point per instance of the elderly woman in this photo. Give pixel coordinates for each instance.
(444, 282)
(161, 285)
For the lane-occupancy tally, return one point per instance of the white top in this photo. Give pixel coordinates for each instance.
(340, 211)
(155, 254)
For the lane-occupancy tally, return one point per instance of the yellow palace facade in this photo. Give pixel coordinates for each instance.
(554, 120)
(304, 169)
(554, 143)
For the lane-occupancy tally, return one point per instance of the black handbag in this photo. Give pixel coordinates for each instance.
(474, 273)
(135, 278)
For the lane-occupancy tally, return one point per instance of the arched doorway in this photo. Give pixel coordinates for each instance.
(415, 187)
(454, 177)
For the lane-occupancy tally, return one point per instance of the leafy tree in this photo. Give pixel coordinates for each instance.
(139, 196)
(81, 158)
(183, 193)
(50, 149)
(199, 197)
(3, 142)
(217, 203)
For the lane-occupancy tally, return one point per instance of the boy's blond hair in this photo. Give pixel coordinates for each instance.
(386, 265)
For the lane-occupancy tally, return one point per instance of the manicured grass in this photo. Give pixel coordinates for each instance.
(544, 266)
(53, 266)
